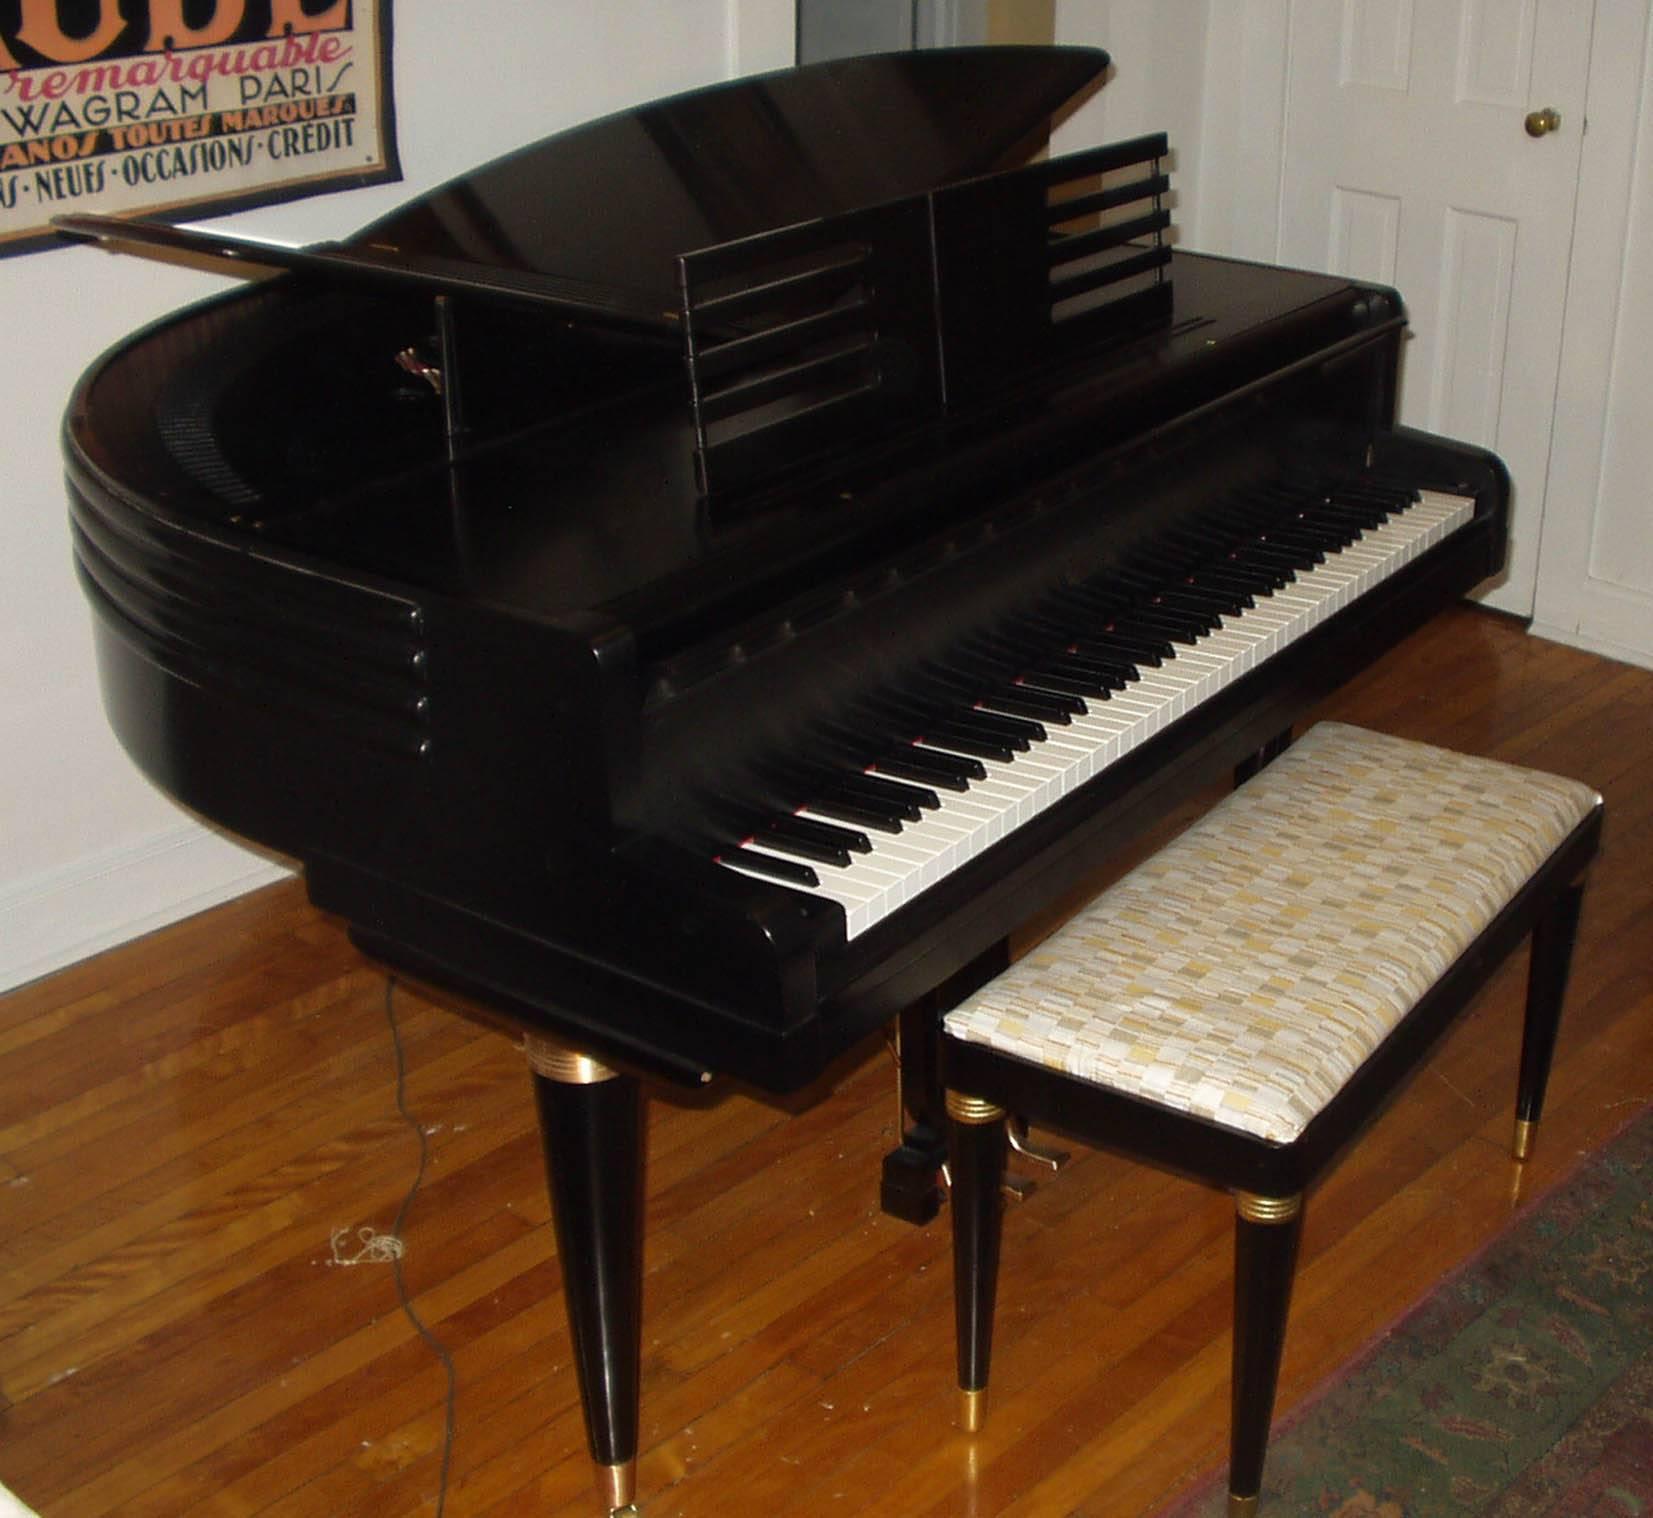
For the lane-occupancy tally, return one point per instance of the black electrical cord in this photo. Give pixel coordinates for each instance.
(436, 1346)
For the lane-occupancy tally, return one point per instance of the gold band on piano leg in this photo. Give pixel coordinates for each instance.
(973, 1109)
(1267, 1209)
(617, 1485)
(569, 1067)
(1242, 1507)
(972, 1409)
(1525, 1128)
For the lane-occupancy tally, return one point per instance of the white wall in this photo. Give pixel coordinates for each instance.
(1154, 85)
(89, 853)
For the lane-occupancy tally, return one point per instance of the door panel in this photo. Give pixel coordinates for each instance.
(1407, 161)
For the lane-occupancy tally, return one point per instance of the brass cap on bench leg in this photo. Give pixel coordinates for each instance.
(973, 1111)
(1524, 1130)
(1267, 1209)
(972, 1409)
(1242, 1507)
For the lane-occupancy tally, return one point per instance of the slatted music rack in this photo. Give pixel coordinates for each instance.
(820, 337)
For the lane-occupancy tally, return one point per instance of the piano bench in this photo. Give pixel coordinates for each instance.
(1238, 1006)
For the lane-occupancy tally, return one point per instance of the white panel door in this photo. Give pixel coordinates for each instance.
(1407, 160)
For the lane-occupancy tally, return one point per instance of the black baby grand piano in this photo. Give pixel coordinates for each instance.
(696, 584)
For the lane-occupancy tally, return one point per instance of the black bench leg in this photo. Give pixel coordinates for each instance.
(1552, 955)
(591, 1126)
(1265, 1257)
(976, 1161)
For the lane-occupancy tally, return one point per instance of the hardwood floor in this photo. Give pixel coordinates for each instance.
(188, 1123)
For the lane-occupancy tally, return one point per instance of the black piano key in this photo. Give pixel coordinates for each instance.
(1017, 731)
(1330, 535)
(1241, 589)
(1004, 649)
(1090, 601)
(910, 800)
(1050, 625)
(802, 848)
(941, 688)
(1140, 582)
(1103, 673)
(952, 772)
(786, 870)
(1052, 677)
(1302, 544)
(1036, 705)
(1053, 699)
(823, 834)
(960, 739)
(1379, 489)
(843, 808)
(1189, 595)
(1200, 611)
(1161, 622)
(1270, 575)
(1352, 517)
(1137, 648)
(1310, 519)
(1260, 556)
(1285, 500)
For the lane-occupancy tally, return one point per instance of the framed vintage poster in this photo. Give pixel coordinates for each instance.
(184, 108)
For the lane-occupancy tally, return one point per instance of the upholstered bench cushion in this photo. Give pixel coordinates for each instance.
(1244, 972)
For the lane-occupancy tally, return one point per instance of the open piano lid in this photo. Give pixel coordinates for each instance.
(588, 224)
(614, 202)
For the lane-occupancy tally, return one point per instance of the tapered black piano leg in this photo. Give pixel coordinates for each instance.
(591, 1124)
(977, 1150)
(1266, 755)
(911, 1185)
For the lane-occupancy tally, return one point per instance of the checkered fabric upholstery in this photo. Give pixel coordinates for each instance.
(1244, 972)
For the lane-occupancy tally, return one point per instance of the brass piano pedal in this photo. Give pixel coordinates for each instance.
(1017, 1188)
(1013, 1188)
(1053, 1159)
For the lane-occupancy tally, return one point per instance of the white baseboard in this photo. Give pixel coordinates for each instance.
(1606, 647)
(79, 909)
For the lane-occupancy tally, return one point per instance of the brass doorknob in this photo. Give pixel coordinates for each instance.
(1540, 122)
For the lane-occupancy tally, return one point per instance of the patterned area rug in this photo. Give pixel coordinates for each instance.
(1522, 1386)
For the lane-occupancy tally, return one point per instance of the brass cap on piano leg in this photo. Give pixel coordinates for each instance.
(557, 1062)
(1524, 1130)
(972, 1409)
(617, 1486)
(1242, 1507)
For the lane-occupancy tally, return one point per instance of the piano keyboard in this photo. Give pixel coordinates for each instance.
(929, 807)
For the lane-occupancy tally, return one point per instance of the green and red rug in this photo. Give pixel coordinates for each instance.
(1521, 1387)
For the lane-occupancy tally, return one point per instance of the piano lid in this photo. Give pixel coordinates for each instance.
(614, 202)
